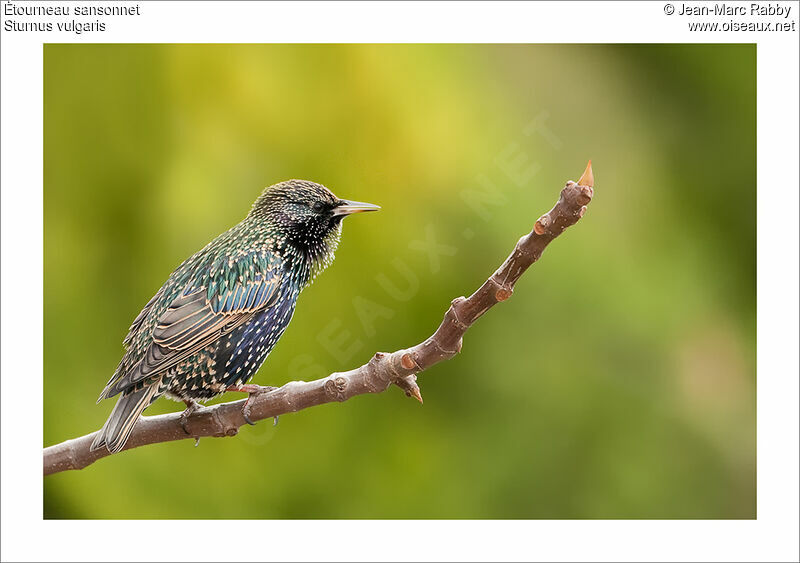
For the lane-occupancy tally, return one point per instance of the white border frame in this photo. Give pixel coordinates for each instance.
(773, 536)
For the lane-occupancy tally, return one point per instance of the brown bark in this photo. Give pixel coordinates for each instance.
(383, 369)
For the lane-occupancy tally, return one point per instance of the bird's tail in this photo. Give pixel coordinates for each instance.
(120, 423)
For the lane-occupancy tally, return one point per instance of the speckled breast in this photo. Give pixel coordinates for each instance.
(234, 358)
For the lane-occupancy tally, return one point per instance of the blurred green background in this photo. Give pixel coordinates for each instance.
(618, 382)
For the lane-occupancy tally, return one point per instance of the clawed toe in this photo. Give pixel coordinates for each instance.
(253, 391)
(246, 415)
(191, 408)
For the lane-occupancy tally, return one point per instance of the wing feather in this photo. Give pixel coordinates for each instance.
(193, 321)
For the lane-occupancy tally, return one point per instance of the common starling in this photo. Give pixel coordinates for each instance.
(219, 314)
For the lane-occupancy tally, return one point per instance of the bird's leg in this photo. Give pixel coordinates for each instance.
(253, 391)
(191, 407)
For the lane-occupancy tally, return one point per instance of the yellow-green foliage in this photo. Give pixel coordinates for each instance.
(618, 381)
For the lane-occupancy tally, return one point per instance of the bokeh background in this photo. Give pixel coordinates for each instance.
(618, 382)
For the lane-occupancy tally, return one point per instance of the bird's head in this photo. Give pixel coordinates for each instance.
(307, 215)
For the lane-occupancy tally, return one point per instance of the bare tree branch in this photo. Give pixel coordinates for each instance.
(383, 369)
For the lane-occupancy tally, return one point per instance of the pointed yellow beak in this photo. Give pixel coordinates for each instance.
(347, 207)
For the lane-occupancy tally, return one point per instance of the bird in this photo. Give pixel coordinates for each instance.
(215, 320)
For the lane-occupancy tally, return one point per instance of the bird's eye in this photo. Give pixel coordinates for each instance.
(318, 207)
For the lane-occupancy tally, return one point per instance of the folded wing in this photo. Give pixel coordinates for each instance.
(193, 321)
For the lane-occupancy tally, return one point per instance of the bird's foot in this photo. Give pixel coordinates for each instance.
(252, 391)
(191, 407)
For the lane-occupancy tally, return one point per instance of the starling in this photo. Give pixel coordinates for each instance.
(219, 314)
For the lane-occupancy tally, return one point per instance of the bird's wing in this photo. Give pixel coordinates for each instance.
(193, 318)
(193, 321)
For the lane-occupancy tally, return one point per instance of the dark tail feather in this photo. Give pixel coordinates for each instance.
(120, 424)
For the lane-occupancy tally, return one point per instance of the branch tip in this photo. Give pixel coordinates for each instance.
(415, 392)
(587, 179)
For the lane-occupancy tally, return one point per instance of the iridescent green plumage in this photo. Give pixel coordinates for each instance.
(219, 314)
